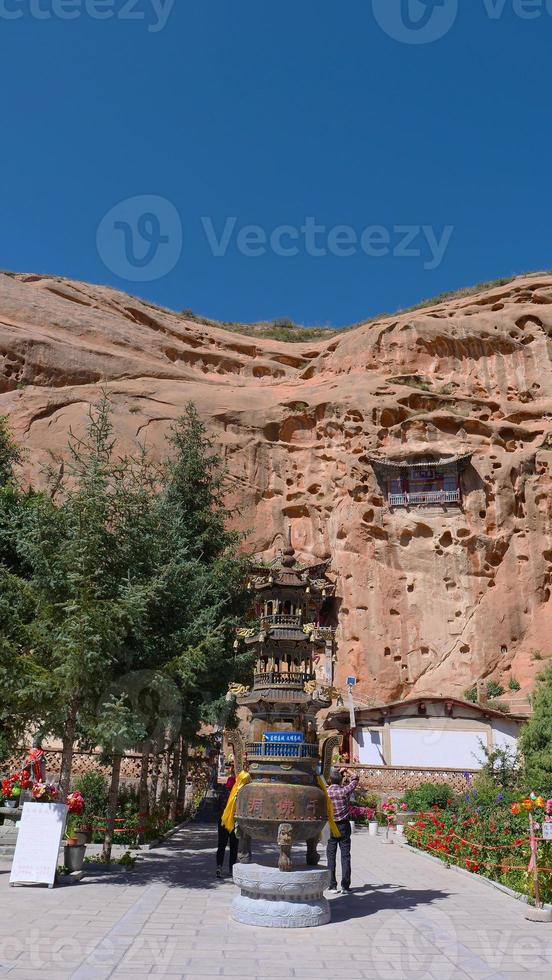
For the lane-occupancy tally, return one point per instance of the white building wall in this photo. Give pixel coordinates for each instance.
(368, 747)
(505, 734)
(438, 747)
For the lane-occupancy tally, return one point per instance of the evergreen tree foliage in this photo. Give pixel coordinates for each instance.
(9, 453)
(536, 737)
(17, 681)
(121, 592)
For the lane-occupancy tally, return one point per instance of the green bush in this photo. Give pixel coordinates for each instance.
(514, 684)
(428, 795)
(93, 787)
(367, 799)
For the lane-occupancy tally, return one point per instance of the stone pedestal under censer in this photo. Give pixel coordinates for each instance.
(280, 899)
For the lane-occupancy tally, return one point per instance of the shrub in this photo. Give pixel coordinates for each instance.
(514, 684)
(493, 690)
(93, 787)
(536, 736)
(429, 795)
(283, 322)
(367, 799)
(502, 768)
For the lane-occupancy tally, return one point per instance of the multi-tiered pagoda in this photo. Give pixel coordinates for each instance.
(294, 644)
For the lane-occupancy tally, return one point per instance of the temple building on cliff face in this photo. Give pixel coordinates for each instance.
(428, 481)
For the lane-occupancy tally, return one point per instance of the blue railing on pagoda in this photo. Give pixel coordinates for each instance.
(285, 750)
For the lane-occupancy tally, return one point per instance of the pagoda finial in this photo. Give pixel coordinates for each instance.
(289, 552)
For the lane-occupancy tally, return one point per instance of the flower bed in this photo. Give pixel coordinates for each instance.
(492, 840)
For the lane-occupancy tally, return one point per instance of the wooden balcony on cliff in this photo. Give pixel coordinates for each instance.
(421, 482)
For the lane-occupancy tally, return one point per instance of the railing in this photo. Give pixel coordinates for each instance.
(286, 621)
(441, 497)
(282, 750)
(273, 678)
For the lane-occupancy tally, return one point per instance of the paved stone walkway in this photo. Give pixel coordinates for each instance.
(406, 919)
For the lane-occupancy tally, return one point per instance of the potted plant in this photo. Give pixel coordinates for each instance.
(45, 793)
(74, 849)
(361, 817)
(12, 788)
(390, 809)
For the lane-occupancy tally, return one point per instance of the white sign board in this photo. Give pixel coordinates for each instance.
(547, 831)
(39, 837)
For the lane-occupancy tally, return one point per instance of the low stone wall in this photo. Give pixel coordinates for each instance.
(396, 779)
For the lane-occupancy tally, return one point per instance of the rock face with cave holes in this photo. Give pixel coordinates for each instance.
(360, 442)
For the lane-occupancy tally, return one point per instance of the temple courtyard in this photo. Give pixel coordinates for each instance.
(406, 917)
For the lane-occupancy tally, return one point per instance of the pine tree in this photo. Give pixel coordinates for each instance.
(87, 606)
(9, 453)
(536, 737)
(205, 595)
(17, 680)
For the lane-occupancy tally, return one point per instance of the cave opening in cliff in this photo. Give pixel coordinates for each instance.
(421, 481)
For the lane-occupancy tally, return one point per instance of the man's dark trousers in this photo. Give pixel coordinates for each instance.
(344, 842)
(224, 838)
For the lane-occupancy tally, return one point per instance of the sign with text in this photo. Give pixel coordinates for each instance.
(38, 841)
(351, 681)
(287, 737)
(547, 831)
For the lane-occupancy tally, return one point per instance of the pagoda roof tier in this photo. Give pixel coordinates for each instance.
(277, 695)
(286, 571)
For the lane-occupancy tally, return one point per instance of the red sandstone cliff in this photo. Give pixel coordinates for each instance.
(430, 601)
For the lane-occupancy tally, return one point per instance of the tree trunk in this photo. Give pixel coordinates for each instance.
(144, 803)
(68, 743)
(155, 778)
(112, 807)
(165, 782)
(175, 777)
(181, 797)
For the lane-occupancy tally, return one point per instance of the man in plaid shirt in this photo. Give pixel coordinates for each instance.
(340, 796)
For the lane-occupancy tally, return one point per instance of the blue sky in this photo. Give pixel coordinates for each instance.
(237, 113)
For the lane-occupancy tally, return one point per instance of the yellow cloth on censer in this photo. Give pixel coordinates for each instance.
(228, 818)
(329, 807)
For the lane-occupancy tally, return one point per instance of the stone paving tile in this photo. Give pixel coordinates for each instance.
(407, 919)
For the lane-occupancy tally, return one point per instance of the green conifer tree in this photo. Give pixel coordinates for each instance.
(536, 737)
